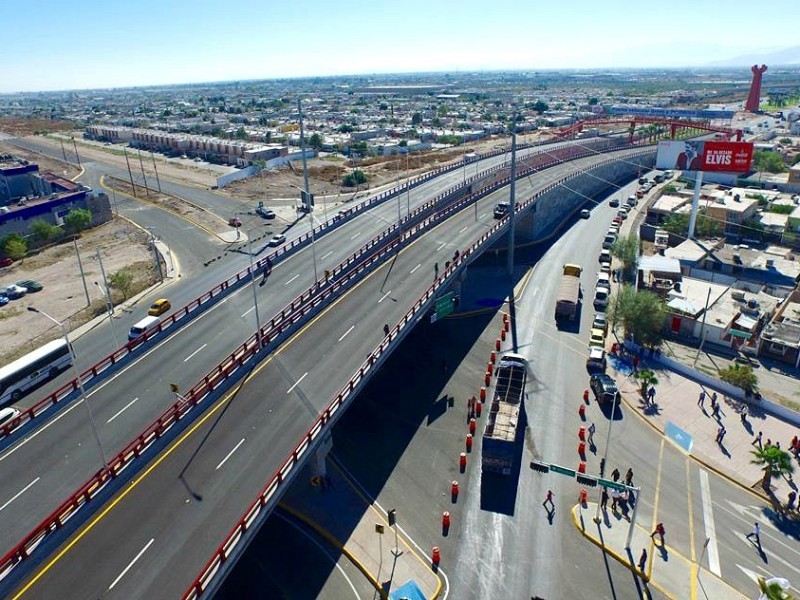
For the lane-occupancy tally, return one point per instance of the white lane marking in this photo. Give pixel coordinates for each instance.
(326, 255)
(123, 409)
(19, 493)
(481, 215)
(750, 514)
(292, 279)
(442, 246)
(355, 235)
(227, 456)
(708, 524)
(344, 335)
(463, 229)
(247, 312)
(188, 358)
(384, 296)
(415, 268)
(296, 383)
(135, 558)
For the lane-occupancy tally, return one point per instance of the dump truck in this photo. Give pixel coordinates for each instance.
(498, 448)
(569, 292)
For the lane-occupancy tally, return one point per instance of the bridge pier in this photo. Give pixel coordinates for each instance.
(319, 467)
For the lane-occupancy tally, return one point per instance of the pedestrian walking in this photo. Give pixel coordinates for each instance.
(768, 444)
(721, 434)
(591, 431)
(629, 476)
(757, 440)
(643, 560)
(614, 499)
(436, 269)
(713, 397)
(743, 414)
(792, 498)
(615, 474)
(660, 531)
(651, 394)
(701, 398)
(386, 330)
(756, 533)
(604, 498)
(549, 499)
(715, 412)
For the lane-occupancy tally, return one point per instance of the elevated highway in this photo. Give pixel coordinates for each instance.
(185, 502)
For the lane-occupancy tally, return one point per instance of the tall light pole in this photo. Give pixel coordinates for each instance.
(80, 383)
(305, 185)
(110, 311)
(253, 285)
(605, 450)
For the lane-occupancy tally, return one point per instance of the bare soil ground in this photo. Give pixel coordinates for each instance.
(45, 163)
(325, 174)
(63, 297)
(22, 127)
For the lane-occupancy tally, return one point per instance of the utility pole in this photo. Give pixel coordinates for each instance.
(130, 174)
(74, 145)
(512, 202)
(158, 181)
(144, 177)
(63, 151)
(305, 186)
(83, 275)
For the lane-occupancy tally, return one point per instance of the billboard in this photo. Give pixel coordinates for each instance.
(732, 157)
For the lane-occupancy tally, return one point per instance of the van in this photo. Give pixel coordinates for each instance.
(139, 328)
(501, 210)
(632, 201)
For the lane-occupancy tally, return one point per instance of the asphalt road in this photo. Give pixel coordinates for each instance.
(187, 500)
(124, 404)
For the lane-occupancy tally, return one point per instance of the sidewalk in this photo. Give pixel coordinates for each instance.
(348, 520)
(666, 570)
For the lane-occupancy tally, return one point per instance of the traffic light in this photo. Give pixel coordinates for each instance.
(587, 481)
(392, 517)
(540, 467)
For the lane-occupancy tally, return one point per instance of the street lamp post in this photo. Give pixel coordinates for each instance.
(110, 311)
(605, 450)
(253, 285)
(80, 383)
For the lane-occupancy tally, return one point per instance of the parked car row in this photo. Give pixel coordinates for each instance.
(19, 289)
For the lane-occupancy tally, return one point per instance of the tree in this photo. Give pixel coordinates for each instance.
(774, 462)
(626, 249)
(122, 280)
(15, 248)
(774, 589)
(741, 376)
(77, 220)
(43, 232)
(540, 106)
(646, 378)
(703, 227)
(241, 134)
(355, 178)
(436, 122)
(416, 119)
(771, 162)
(315, 141)
(641, 314)
(593, 101)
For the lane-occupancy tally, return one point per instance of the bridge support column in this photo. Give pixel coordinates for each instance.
(318, 465)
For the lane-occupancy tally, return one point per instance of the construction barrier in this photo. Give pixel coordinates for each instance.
(483, 394)
(462, 460)
(472, 426)
(435, 556)
(469, 442)
(581, 432)
(582, 411)
(581, 467)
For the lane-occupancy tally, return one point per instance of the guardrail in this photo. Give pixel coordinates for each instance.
(91, 376)
(327, 416)
(271, 334)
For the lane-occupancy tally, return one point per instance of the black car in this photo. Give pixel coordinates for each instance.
(31, 285)
(603, 387)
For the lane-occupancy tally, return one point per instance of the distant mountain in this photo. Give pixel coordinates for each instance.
(787, 56)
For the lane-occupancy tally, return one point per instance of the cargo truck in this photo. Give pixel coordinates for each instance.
(498, 449)
(569, 292)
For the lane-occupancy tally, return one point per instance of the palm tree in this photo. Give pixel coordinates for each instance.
(774, 589)
(776, 463)
(646, 378)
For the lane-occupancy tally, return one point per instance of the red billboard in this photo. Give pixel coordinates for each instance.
(705, 156)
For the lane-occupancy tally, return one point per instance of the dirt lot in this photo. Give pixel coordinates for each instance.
(325, 174)
(22, 127)
(63, 296)
(45, 163)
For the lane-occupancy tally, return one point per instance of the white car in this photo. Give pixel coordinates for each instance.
(597, 359)
(8, 413)
(601, 295)
(277, 240)
(15, 291)
(605, 256)
(604, 280)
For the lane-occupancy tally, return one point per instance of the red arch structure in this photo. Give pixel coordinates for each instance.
(570, 131)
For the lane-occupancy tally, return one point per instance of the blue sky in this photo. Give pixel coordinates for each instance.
(55, 44)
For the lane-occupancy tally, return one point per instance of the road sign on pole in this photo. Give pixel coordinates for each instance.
(563, 470)
(443, 306)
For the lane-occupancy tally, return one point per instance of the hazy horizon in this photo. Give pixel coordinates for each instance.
(110, 45)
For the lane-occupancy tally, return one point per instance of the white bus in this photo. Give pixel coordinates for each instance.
(26, 373)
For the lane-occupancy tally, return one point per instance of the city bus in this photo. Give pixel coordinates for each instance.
(27, 373)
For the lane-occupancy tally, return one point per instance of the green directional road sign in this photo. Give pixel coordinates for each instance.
(563, 470)
(444, 306)
(613, 485)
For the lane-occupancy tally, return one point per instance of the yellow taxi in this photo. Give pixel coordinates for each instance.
(159, 307)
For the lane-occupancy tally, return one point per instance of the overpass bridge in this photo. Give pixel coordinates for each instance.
(187, 502)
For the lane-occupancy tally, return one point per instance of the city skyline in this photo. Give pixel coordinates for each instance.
(121, 45)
